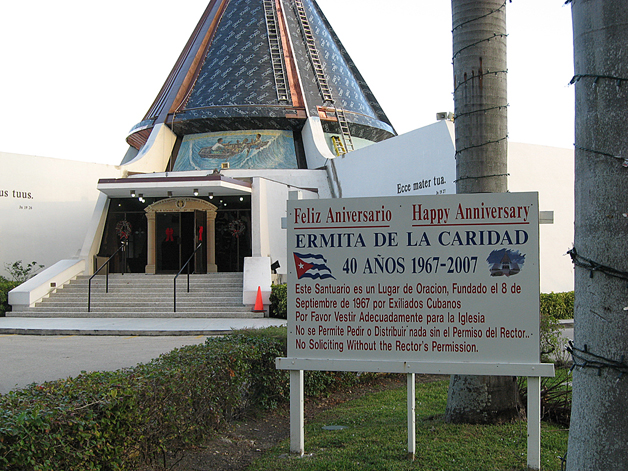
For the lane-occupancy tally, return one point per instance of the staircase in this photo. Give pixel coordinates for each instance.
(215, 295)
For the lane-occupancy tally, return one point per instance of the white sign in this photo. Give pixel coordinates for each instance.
(448, 278)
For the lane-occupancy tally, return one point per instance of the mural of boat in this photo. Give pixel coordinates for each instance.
(226, 150)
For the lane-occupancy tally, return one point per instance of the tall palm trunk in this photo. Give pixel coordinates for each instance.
(479, 57)
(598, 434)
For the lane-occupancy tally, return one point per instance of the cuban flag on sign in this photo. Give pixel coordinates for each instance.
(311, 266)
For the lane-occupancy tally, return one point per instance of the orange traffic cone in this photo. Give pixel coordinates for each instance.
(259, 304)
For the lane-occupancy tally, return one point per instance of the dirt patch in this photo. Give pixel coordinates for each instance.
(247, 440)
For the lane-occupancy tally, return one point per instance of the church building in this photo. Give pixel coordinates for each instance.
(263, 104)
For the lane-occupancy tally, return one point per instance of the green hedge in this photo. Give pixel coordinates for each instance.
(5, 287)
(557, 305)
(279, 301)
(137, 416)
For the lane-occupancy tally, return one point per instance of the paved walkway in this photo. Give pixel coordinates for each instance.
(34, 350)
(144, 326)
(129, 326)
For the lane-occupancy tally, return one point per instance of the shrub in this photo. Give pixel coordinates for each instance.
(19, 274)
(72, 424)
(139, 416)
(555, 396)
(279, 301)
(5, 287)
(558, 305)
(22, 273)
(550, 338)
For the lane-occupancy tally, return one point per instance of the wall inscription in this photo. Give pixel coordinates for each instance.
(15, 194)
(22, 196)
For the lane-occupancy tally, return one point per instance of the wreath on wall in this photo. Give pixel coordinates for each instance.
(123, 229)
(237, 227)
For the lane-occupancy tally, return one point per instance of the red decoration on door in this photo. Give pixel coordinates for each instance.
(200, 233)
(169, 234)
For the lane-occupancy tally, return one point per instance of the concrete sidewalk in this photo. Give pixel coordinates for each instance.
(129, 326)
(140, 326)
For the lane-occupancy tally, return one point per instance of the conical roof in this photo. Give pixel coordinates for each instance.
(264, 64)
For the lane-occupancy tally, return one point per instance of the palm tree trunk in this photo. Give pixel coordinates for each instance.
(598, 434)
(479, 57)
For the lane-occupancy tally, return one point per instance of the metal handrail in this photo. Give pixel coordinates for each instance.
(186, 264)
(89, 290)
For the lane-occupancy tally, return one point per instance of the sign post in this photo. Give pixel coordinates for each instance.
(445, 284)
(411, 400)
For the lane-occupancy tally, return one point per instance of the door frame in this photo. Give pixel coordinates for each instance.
(181, 205)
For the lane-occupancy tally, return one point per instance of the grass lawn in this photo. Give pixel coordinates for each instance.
(375, 438)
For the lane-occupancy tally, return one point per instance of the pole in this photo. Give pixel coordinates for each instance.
(534, 423)
(297, 429)
(410, 378)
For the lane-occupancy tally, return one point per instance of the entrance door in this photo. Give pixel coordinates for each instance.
(174, 230)
(188, 239)
(176, 241)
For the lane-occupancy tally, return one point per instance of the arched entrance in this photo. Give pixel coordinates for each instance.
(175, 228)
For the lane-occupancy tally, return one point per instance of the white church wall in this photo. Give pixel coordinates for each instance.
(269, 203)
(420, 162)
(550, 171)
(46, 206)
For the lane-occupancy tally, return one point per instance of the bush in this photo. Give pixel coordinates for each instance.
(279, 301)
(558, 305)
(5, 287)
(555, 396)
(21, 273)
(550, 338)
(138, 416)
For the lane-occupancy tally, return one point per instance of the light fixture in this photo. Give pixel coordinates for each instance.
(170, 194)
(211, 195)
(241, 198)
(195, 191)
(141, 198)
(132, 193)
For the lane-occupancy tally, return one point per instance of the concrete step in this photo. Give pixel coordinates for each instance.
(121, 306)
(143, 298)
(205, 278)
(136, 305)
(216, 295)
(141, 315)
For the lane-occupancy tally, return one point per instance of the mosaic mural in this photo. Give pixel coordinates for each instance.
(240, 149)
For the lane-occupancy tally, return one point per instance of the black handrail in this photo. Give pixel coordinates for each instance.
(89, 291)
(187, 264)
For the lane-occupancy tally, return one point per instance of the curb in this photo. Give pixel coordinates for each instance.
(119, 333)
(129, 327)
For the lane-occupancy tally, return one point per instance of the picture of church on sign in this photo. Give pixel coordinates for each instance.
(505, 262)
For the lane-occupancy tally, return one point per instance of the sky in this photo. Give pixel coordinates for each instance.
(77, 75)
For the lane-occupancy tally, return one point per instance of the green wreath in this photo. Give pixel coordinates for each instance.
(237, 228)
(123, 229)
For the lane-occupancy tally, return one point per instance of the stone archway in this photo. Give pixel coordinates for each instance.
(180, 205)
